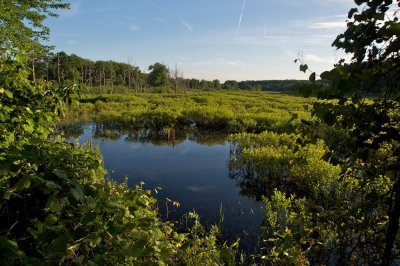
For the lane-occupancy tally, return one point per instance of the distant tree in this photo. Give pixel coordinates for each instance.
(216, 84)
(158, 76)
(193, 83)
(205, 84)
(231, 85)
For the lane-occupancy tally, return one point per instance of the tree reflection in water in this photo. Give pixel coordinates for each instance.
(254, 182)
(163, 137)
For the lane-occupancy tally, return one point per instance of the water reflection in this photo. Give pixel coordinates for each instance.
(246, 177)
(189, 166)
(164, 137)
(70, 130)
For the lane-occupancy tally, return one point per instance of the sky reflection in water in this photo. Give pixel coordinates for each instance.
(194, 174)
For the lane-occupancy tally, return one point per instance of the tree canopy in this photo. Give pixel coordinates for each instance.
(159, 75)
(21, 23)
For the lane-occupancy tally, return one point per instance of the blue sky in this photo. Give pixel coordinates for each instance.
(206, 39)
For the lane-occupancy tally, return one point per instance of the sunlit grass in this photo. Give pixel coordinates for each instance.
(231, 111)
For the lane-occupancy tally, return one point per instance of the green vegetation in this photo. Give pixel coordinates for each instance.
(330, 182)
(225, 111)
(115, 77)
(331, 188)
(57, 206)
(158, 77)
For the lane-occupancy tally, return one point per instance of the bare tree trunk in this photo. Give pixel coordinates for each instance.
(33, 70)
(58, 69)
(90, 76)
(47, 69)
(100, 78)
(111, 79)
(129, 79)
(82, 74)
(104, 77)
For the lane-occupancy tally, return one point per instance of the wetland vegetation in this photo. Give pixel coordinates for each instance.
(228, 111)
(325, 170)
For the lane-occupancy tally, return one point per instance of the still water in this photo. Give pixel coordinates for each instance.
(188, 168)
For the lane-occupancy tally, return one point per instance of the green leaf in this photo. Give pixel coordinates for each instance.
(24, 183)
(351, 12)
(60, 174)
(54, 205)
(51, 185)
(328, 75)
(137, 249)
(7, 195)
(92, 263)
(51, 220)
(312, 77)
(79, 260)
(360, 2)
(303, 68)
(379, 16)
(394, 29)
(89, 217)
(9, 94)
(59, 246)
(77, 193)
(7, 245)
(187, 244)
(4, 168)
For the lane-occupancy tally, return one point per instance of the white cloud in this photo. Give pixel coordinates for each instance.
(333, 22)
(222, 62)
(318, 59)
(71, 42)
(186, 25)
(328, 25)
(134, 28)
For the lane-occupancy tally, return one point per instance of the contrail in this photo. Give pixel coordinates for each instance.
(240, 18)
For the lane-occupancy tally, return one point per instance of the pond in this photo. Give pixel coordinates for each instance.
(187, 167)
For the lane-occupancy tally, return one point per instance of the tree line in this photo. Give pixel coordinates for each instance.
(61, 68)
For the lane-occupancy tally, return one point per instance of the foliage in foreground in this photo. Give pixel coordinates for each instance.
(354, 216)
(56, 204)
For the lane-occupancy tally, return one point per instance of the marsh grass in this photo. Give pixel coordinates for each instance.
(230, 111)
